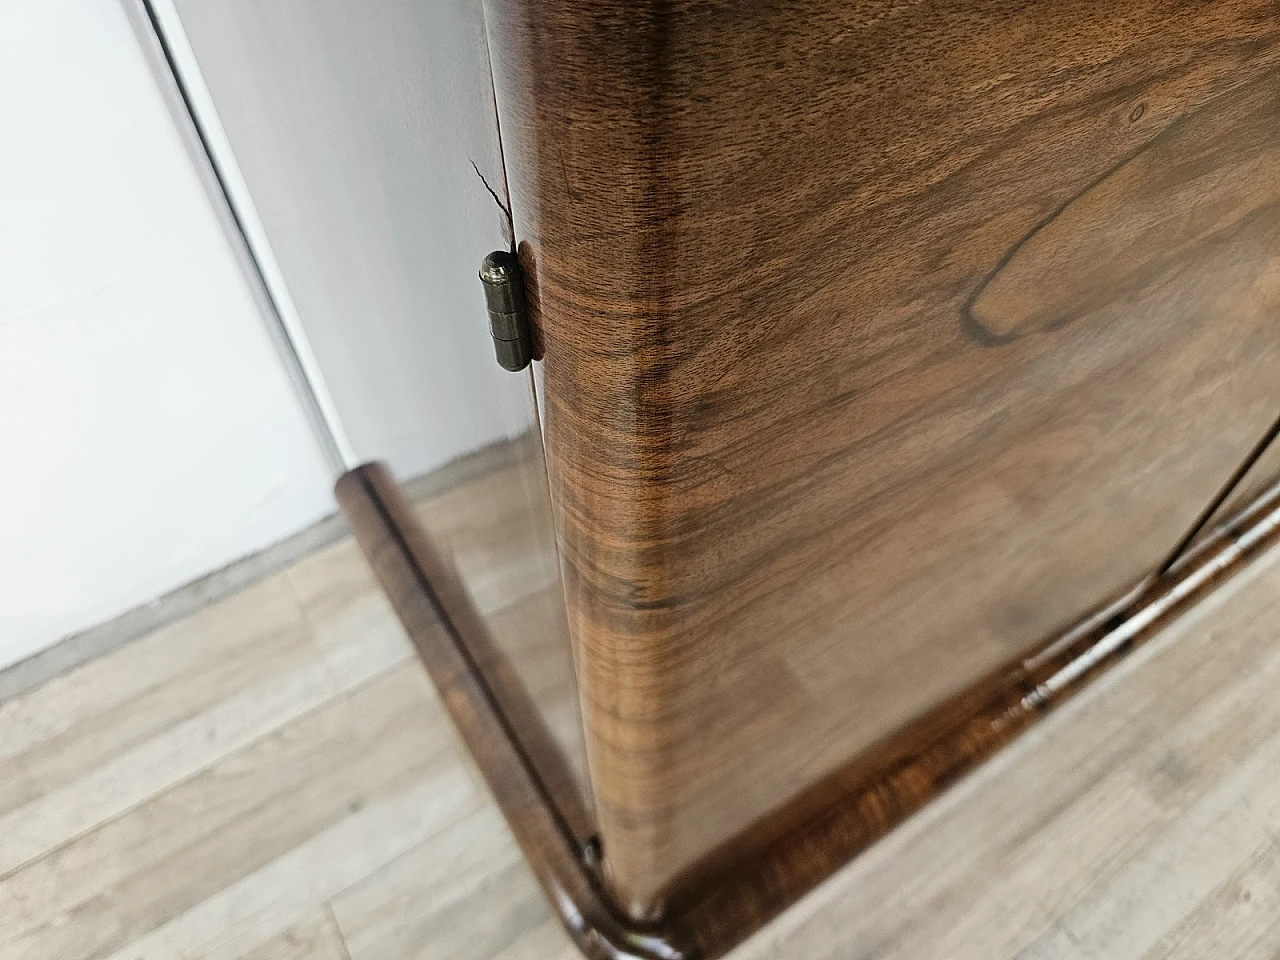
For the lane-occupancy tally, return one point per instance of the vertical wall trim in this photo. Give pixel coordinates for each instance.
(164, 43)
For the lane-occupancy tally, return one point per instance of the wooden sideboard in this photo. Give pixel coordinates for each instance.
(900, 368)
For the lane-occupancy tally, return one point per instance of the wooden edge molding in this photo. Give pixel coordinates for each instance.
(738, 889)
(751, 890)
(568, 792)
(393, 544)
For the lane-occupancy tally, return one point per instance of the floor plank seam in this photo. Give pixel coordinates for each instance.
(339, 696)
(327, 907)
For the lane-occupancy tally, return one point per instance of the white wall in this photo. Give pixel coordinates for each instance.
(355, 126)
(147, 430)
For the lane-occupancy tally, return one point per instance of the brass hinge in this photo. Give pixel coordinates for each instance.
(503, 283)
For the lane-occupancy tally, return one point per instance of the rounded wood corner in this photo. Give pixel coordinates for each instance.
(383, 528)
(723, 905)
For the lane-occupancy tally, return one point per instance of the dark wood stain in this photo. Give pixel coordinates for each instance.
(880, 343)
(857, 807)
(411, 570)
(491, 542)
(748, 882)
(1067, 267)
(506, 657)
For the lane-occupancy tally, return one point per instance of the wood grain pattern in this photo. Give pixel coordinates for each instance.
(736, 890)
(153, 817)
(1137, 819)
(145, 760)
(421, 587)
(861, 803)
(880, 345)
(1068, 822)
(494, 537)
(132, 875)
(312, 939)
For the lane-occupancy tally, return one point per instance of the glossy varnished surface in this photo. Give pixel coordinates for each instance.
(729, 897)
(488, 523)
(481, 530)
(451, 641)
(879, 346)
(321, 808)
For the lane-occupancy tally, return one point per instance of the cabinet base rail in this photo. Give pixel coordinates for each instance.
(737, 890)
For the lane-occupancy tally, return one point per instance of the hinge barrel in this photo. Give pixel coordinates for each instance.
(503, 283)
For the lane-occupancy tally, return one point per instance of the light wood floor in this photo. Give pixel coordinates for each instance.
(273, 779)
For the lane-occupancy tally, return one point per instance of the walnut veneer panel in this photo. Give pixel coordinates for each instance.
(881, 341)
(487, 542)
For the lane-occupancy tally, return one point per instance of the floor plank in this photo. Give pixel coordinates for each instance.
(419, 905)
(280, 894)
(500, 545)
(545, 941)
(350, 618)
(273, 779)
(314, 938)
(116, 699)
(142, 870)
(150, 767)
(993, 867)
(1240, 919)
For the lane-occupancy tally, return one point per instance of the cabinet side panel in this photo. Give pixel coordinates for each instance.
(880, 346)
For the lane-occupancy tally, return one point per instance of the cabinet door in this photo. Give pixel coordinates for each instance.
(882, 343)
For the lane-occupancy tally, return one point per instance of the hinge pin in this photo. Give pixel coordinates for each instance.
(503, 284)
